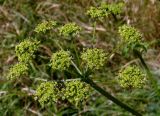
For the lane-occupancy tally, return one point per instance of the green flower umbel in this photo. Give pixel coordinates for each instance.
(130, 35)
(94, 58)
(115, 8)
(25, 50)
(61, 60)
(17, 71)
(44, 26)
(47, 93)
(70, 29)
(132, 77)
(76, 92)
(104, 10)
(96, 13)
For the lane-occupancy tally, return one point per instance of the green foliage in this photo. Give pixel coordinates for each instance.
(94, 58)
(47, 93)
(132, 77)
(115, 8)
(61, 60)
(45, 26)
(26, 49)
(17, 71)
(69, 29)
(76, 92)
(130, 35)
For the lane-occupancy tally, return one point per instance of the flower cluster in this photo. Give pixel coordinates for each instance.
(132, 77)
(61, 60)
(104, 10)
(73, 91)
(17, 71)
(26, 49)
(70, 29)
(94, 58)
(47, 93)
(113, 8)
(76, 91)
(44, 26)
(130, 35)
(96, 13)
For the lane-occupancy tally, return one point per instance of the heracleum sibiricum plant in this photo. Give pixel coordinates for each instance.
(77, 90)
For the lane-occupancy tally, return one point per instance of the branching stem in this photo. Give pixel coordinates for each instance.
(110, 97)
(105, 93)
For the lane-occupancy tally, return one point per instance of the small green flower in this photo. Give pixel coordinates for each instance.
(17, 71)
(70, 29)
(44, 26)
(96, 13)
(76, 92)
(115, 8)
(61, 60)
(94, 58)
(47, 93)
(130, 35)
(26, 49)
(132, 77)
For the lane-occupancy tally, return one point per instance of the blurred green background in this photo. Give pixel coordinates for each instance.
(18, 19)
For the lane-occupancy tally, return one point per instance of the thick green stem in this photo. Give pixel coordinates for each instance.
(110, 97)
(103, 92)
(154, 82)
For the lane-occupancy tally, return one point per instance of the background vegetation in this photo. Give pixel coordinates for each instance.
(18, 19)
